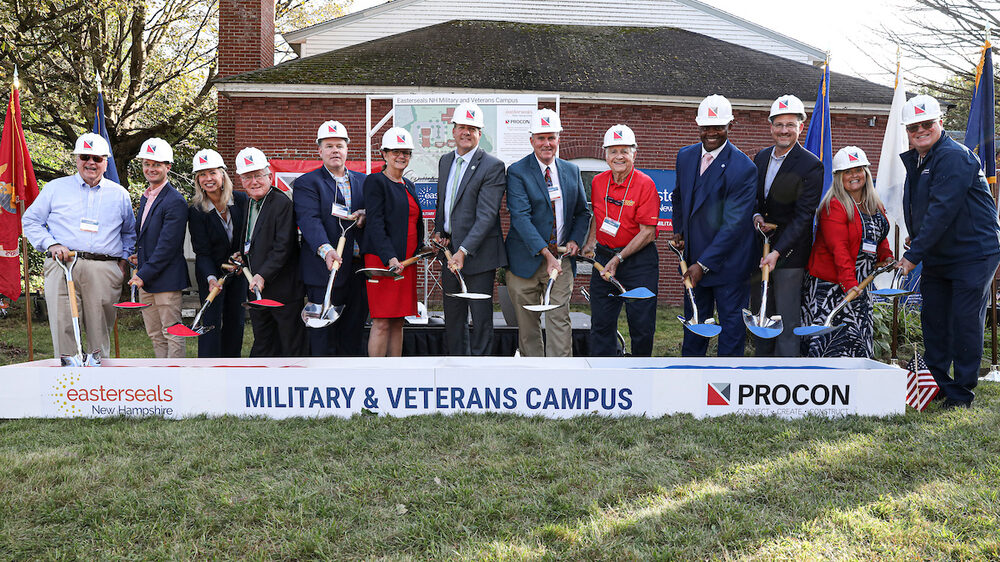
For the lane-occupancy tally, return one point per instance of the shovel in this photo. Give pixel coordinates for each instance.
(316, 316)
(197, 328)
(828, 327)
(632, 294)
(134, 303)
(373, 272)
(546, 303)
(259, 302)
(463, 289)
(759, 324)
(78, 360)
(707, 330)
(895, 288)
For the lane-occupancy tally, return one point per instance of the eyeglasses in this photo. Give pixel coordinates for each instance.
(789, 126)
(259, 176)
(925, 125)
(88, 157)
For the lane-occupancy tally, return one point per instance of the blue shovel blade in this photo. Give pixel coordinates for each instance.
(637, 293)
(890, 292)
(809, 331)
(765, 333)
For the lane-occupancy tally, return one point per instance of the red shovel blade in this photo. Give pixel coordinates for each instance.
(130, 304)
(182, 331)
(264, 303)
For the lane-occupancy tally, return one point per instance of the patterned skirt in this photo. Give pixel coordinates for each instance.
(855, 339)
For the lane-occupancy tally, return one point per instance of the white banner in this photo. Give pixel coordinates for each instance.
(555, 388)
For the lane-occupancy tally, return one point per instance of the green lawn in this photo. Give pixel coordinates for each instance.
(922, 486)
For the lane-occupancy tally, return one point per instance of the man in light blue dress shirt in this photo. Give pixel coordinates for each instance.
(92, 216)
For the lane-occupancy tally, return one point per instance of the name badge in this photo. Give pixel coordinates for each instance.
(88, 225)
(340, 211)
(554, 193)
(610, 226)
(246, 247)
(868, 246)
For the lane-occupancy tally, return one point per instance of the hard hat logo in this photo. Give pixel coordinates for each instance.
(88, 145)
(919, 109)
(852, 157)
(150, 149)
(713, 112)
(470, 114)
(248, 161)
(783, 104)
(618, 135)
(400, 139)
(545, 122)
(331, 129)
(202, 160)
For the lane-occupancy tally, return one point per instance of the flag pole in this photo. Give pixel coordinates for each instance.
(894, 344)
(994, 374)
(97, 74)
(24, 241)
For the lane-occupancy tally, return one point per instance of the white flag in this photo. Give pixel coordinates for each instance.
(891, 173)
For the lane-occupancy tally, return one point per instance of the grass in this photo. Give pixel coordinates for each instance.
(921, 486)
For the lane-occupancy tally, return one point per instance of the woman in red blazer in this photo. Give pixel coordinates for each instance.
(851, 242)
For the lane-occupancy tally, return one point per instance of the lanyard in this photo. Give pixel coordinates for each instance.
(607, 194)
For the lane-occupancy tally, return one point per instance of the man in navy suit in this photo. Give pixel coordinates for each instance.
(317, 194)
(713, 206)
(952, 220)
(159, 250)
(789, 186)
(548, 209)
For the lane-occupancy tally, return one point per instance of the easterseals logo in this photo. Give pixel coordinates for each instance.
(718, 393)
(71, 396)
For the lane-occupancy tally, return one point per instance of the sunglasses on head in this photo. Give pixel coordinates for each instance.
(925, 125)
(88, 157)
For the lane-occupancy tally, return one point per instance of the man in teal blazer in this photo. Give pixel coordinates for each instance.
(548, 209)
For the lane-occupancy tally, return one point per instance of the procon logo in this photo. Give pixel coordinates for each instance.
(720, 394)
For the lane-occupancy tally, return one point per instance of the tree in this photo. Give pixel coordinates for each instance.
(156, 60)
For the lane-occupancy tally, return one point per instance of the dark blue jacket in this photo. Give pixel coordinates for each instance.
(948, 208)
(160, 243)
(531, 212)
(211, 246)
(791, 203)
(315, 194)
(387, 218)
(714, 213)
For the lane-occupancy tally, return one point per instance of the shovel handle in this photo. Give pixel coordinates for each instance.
(71, 288)
(553, 274)
(766, 269)
(770, 225)
(217, 289)
(412, 260)
(684, 270)
(340, 251)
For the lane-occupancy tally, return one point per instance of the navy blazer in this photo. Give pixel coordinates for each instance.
(947, 205)
(791, 203)
(388, 216)
(160, 243)
(315, 194)
(714, 212)
(211, 246)
(531, 212)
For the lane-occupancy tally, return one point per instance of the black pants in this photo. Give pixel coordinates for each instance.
(730, 299)
(459, 340)
(279, 332)
(345, 337)
(640, 270)
(227, 314)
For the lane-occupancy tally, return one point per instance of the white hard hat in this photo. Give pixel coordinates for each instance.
(545, 121)
(619, 135)
(92, 143)
(788, 105)
(250, 160)
(468, 114)
(206, 159)
(156, 149)
(332, 130)
(714, 110)
(849, 157)
(921, 108)
(397, 138)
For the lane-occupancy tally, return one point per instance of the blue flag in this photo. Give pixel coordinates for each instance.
(101, 129)
(818, 136)
(980, 131)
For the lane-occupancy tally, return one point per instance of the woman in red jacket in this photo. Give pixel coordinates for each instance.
(850, 244)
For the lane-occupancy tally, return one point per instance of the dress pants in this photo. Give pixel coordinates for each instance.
(98, 287)
(558, 329)
(784, 297)
(953, 319)
(730, 299)
(279, 332)
(458, 339)
(228, 316)
(164, 310)
(345, 337)
(640, 270)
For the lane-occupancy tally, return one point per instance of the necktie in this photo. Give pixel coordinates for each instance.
(453, 190)
(706, 161)
(548, 185)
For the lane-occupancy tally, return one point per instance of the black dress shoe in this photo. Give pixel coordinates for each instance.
(951, 403)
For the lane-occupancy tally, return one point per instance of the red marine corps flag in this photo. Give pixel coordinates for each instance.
(18, 190)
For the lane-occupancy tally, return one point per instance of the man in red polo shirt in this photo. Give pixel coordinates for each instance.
(626, 207)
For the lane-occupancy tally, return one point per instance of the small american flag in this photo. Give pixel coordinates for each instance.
(921, 387)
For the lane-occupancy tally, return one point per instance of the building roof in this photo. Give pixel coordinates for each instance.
(399, 16)
(505, 56)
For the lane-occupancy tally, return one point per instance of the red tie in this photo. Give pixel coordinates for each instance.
(548, 185)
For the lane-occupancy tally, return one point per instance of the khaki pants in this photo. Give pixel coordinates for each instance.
(558, 329)
(164, 310)
(98, 286)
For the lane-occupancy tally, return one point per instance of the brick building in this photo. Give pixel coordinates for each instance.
(648, 75)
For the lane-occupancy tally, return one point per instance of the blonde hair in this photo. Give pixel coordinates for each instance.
(201, 199)
(869, 197)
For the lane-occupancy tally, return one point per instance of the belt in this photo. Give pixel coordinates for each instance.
(96, 257)
(605, 250)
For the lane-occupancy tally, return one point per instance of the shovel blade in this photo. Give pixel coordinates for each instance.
(765, 332)
(811, 331)
(130, 304)
(540, 307)
(638, 293)
(372, 272)
(71, 361)
(890, 292)
(704, 330)
(472, 296)
(327, 318)
(183, 331)
(311, 311)
(263, 303)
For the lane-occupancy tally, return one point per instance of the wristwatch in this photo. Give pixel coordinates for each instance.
(703, 268)
(620, 258)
